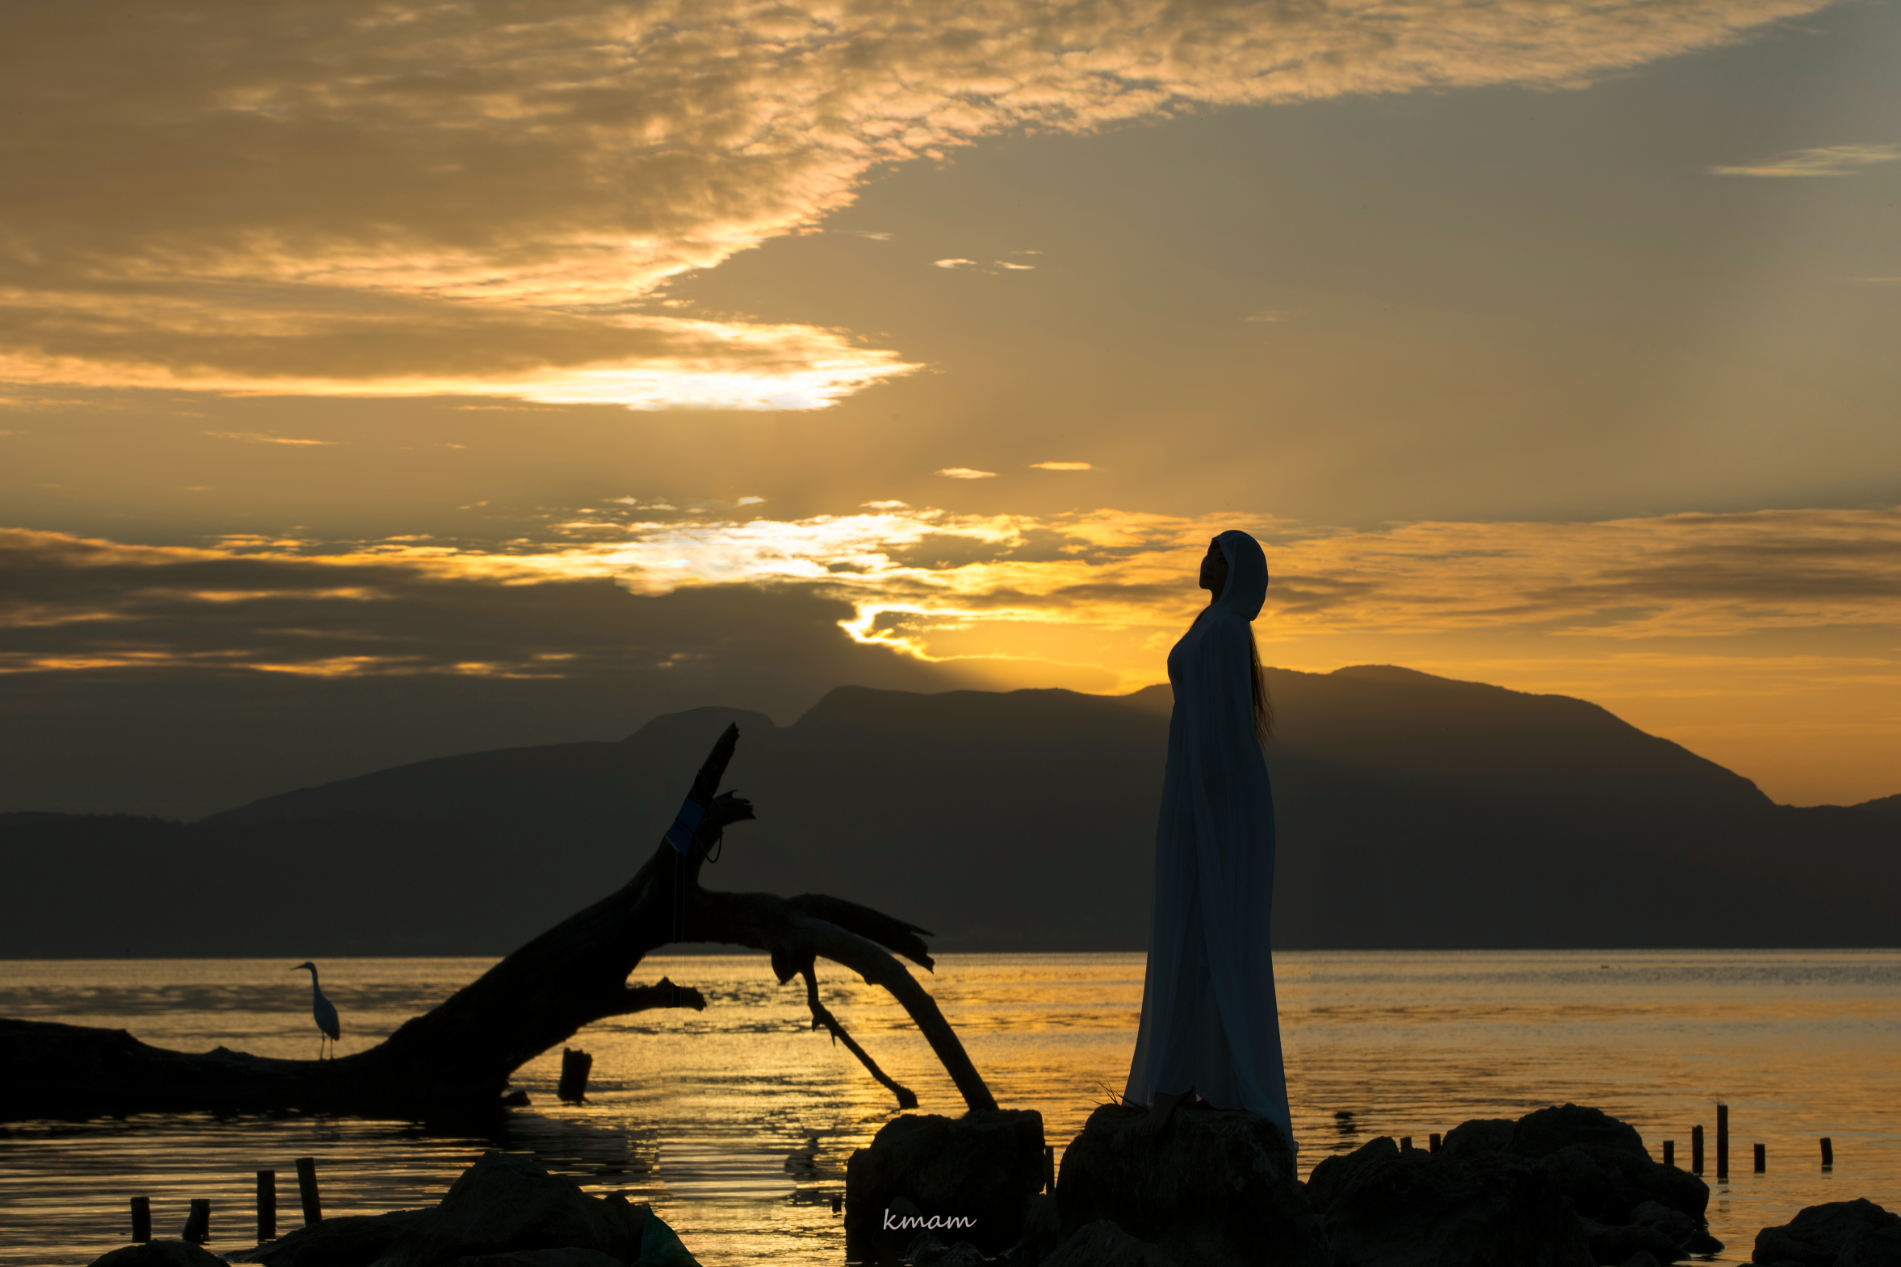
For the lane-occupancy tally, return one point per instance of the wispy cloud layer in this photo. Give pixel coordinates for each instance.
(364, 197)
(1103, 591)
(258, 437)
(1826, 160)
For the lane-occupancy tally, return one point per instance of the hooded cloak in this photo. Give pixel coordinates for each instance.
(1209, 1016)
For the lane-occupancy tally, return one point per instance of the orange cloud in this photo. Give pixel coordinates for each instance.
(371, 198)
(1102, 590)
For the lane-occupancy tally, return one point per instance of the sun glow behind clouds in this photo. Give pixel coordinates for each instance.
(1715, 630)
(1093, 599)
(370, 198)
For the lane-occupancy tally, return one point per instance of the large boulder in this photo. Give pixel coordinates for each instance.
(1545, 1131)
(1823, 1235)
(1596, 1160)
(1103, 1244)
(970, 1178)
(349, 1240)
(159, 1254)
(1385, 1208)
(1620, 1243)
(505, 1204)
(1213, 1189)
(1874, 1246)
(1686, 1233)
(1480, 1135)
(1609, 1184)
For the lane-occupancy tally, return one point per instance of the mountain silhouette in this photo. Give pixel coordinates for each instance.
(1412, 811)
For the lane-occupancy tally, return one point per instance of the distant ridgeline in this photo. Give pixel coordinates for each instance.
(1413, 811)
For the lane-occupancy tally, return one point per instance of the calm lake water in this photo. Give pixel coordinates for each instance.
(697, 1112)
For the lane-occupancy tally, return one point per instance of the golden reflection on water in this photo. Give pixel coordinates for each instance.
(707, 1115)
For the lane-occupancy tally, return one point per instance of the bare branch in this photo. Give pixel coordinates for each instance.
(821, 1015)
(892, 934)
(770, 923)
(663, 993)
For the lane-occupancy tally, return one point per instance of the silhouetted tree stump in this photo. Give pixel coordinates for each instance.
(459, 1056)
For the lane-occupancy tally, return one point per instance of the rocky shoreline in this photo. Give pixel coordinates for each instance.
(1566, 1186)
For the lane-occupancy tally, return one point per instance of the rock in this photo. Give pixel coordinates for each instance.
(1214, 1189)
(1818, 1235)
(543, 1258)
(1687, 1234)
(660, 1246)
(1042, 1230)
(1384, 1208)
(159, 1254)
(924, 1248)
(1642, 1258)
(1546, 1131)
(505, 1204)
(1608, 1184)
(1480, 1135)
(980, 1170)
(349, 1240)
(1628, 1202)
(1103, 1244)
(928, 1251)
(1613, 1244)
(1333, 1175)
(1597, 1161)
(1873, 1246)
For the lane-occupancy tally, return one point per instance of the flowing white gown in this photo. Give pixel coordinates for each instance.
(1209, 1017)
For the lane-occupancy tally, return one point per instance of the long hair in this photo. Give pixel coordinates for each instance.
(1263, 702)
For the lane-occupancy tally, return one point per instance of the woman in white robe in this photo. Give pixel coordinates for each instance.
(1210, 1024)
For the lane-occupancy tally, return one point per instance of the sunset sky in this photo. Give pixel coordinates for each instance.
(381, 380)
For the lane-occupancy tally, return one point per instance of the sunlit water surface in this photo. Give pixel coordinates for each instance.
(698, 1112)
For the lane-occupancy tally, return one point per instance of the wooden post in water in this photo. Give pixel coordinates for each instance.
(198, 1223)
(307, 1189)
(1405, 1143)
(575, 1066)
(1049, 1168)
(1762, 1158)
(1722, 1143)
(1669, 1152)
(266, 1206)
(1828, 1153)
(1433, 1141)
(1696, 1150)
(141, 1219)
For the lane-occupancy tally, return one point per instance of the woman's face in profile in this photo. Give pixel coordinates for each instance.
(1214, 568)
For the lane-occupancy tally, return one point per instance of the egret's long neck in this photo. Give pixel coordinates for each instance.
(313, 981)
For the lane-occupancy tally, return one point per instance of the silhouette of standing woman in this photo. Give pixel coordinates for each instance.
(1210, 1025)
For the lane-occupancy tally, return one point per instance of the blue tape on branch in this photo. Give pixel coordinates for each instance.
(685, 824)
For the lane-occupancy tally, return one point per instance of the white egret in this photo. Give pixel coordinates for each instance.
(323, 1011)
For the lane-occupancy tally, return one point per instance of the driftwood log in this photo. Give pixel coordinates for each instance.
(457, 1058)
